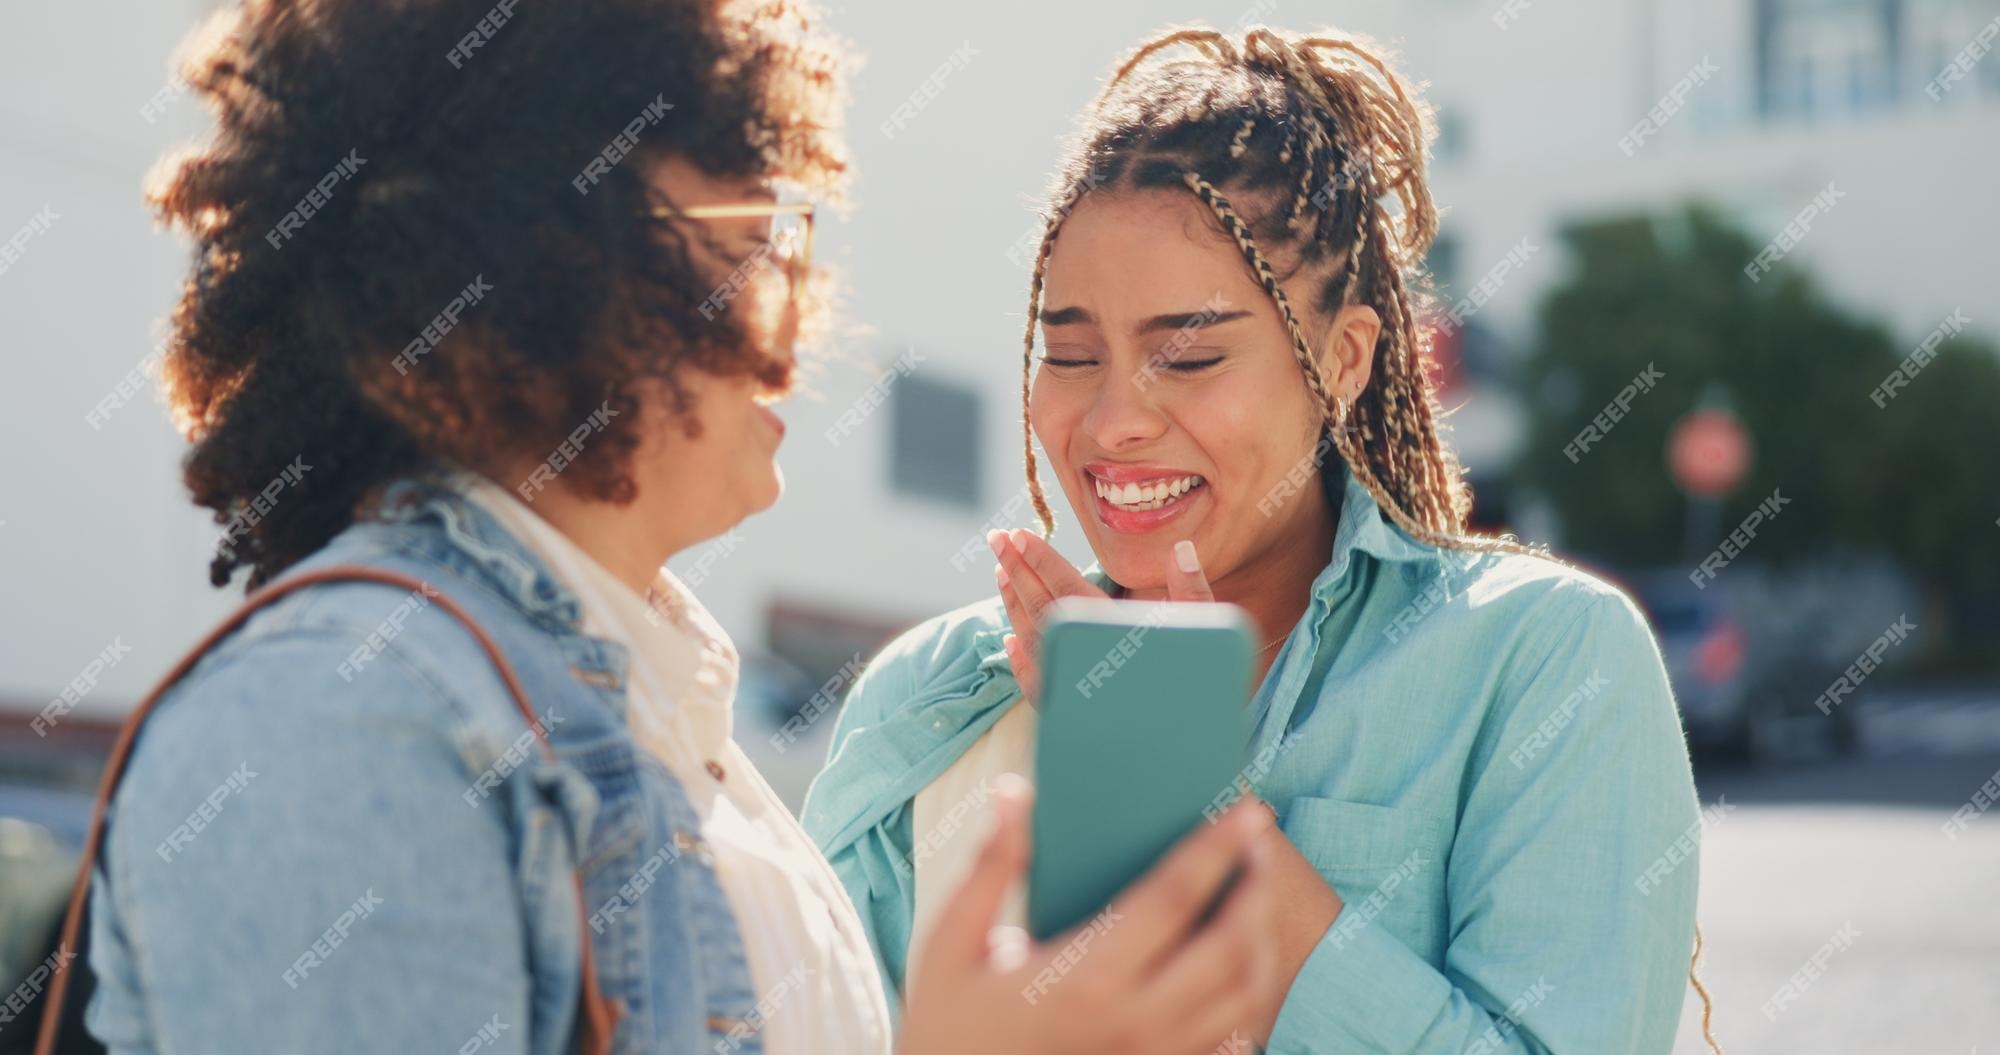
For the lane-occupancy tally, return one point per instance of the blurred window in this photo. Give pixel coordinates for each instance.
(935, 448)
(1820, 58)
(1939, 30)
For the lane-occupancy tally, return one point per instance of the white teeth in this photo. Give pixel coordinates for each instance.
(1150, 495)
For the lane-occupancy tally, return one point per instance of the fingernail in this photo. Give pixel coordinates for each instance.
(1260, 855)
(1019, 537)
(993, 539)
(1184, 557)
(1012, 785)
(1254, 825)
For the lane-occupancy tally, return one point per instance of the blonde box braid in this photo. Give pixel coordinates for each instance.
(1390, 442)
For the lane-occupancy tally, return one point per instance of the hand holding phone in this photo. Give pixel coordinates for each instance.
(1159, 977)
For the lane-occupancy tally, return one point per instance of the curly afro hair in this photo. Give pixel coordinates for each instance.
(375, 158)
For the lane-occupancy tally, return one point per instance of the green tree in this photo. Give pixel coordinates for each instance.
(1914, 478)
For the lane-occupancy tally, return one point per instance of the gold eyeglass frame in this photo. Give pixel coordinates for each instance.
(799, 266)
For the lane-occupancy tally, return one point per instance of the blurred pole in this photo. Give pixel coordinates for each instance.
(1704, 515)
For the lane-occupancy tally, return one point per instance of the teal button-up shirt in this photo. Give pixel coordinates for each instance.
(1478, 751)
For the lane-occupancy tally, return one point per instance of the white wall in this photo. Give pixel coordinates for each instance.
(98, 542)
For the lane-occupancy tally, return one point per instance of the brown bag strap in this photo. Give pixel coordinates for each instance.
(597, 1017)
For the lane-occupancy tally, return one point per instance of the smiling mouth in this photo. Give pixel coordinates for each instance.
(1140, 496)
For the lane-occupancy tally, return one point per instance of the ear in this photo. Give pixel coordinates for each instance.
(1347, 350)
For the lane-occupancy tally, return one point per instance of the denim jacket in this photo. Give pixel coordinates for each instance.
(1478, 752)
(338, 834)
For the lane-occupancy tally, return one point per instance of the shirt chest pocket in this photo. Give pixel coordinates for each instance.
(1385, 862)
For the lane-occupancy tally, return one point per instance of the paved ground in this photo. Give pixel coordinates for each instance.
(1850, 853)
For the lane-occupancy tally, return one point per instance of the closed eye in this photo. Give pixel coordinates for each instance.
(1059, 362)
(1189, 366)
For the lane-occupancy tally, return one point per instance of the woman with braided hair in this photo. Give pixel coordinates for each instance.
(1485, 809)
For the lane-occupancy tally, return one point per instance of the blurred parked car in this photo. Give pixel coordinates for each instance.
(43, 819)
(1745, 683)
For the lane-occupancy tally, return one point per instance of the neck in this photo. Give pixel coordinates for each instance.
(611, 539)
(632, 540)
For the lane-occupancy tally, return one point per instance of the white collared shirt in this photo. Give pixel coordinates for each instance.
(809, 957)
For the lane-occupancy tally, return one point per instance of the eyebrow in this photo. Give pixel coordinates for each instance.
(1191, 320)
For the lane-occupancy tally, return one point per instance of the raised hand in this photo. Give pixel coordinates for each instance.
(1031, 575)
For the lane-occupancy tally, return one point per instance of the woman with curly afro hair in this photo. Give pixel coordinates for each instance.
(488, 304)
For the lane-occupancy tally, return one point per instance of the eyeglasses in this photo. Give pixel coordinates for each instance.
(791, 229)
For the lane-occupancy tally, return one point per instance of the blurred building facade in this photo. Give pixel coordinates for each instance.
(1557, 110)
(909, 447)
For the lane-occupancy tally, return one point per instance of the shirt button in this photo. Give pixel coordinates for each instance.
(603, 679)
(937, 723)
(684, 843)
(714, 769)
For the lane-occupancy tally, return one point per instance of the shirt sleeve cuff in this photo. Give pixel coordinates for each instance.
(1359, 990)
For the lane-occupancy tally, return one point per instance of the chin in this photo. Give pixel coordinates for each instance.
(1135, 565)
(767, 489)
(1137, 561)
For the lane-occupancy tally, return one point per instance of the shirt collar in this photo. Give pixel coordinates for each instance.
(682, 665)
(481, 544)
(1364, 528)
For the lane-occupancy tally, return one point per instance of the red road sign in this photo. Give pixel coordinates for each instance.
(1708, 453)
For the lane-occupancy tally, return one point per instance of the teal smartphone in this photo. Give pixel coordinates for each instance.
(1142, 727)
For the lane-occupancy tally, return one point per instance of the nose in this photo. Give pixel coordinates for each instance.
(1124, 413)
